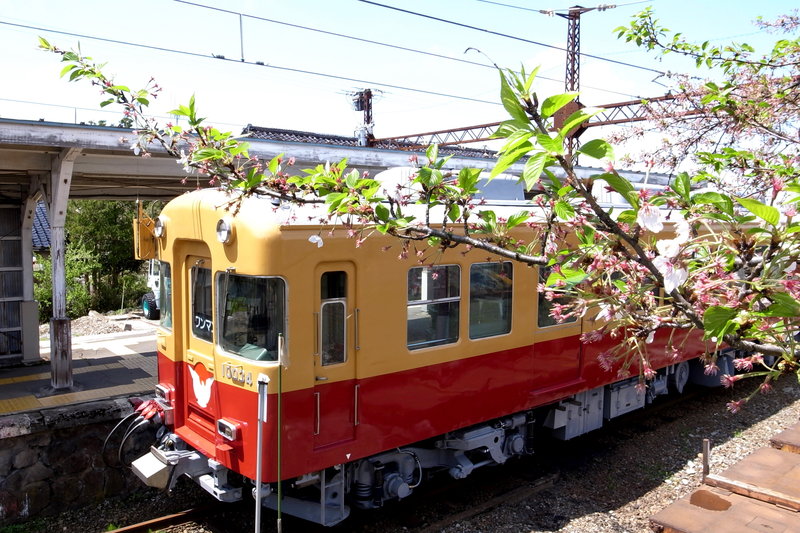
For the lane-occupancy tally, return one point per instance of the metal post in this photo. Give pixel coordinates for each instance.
(263, 380)
(282, 361)
(706, 454)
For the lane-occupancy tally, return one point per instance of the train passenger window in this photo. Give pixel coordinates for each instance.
(333, 317)
(252, 315)
(545, 306)
(434, 300)
(202, 325)
(490, 299)
(165, 294)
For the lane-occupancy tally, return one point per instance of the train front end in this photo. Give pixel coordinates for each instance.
(221, 342)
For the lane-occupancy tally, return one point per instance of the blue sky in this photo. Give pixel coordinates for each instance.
(235, 93)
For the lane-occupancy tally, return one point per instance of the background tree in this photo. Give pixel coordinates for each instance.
(743, 127)
(676, 262)
(101, 272)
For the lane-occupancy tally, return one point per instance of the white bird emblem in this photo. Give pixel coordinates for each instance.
(202, 389)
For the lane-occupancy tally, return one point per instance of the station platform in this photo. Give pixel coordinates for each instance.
(103, 366)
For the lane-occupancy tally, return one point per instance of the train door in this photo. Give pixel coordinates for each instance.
(335, 388)
(557, 350)
(198, 372)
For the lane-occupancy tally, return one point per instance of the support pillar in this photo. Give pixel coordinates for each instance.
(60, 328)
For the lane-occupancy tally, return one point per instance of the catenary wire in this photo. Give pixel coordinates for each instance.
(559, 10)
(255, 63)
(505, 35)
(378, 43)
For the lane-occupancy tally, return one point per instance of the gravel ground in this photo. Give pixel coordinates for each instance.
(609, 481)
(96, 324)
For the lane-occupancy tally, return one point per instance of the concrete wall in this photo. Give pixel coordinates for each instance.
(51, 460)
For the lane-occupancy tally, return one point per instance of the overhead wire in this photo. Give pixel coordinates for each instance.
(546, 11)
(254, 63)
(508, 36)
(379, 43)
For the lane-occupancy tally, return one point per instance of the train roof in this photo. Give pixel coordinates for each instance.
(505, 194)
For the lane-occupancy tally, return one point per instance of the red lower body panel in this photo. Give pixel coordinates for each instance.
(402, 408)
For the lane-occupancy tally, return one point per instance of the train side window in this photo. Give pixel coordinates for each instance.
(490, 291)
(252, 315)
(545, 306)
(202, 321)
(165, 294)
(434, 300)
(333, 317)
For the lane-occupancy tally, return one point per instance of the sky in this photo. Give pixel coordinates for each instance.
(307, 77)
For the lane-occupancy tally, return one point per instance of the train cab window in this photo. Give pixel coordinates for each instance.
(165, 294)
(252, 315)
(434, 300)
(490, 287)
(202, 324)
(333, 317)
(545, 306)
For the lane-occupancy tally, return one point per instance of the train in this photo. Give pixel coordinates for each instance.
(325, 372)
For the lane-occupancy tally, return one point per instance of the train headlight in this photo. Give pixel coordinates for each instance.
(164, 392)
(159, 229)
(224, 231)
(229, 430)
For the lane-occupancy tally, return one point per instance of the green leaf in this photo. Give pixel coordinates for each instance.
(721, 201)
(564, 210)
(620, 185)
(515, 139)
(205, 154)
(577, 118)
(570, 275)
(509, 158)
(274, 163)
(382, 212)
(766, 213)
(432, 153)
(507, 128)
(510, 100)
(682, 186)
(489, 221)
(598, 149)
(552, 145)
(717, 321)
(556, 102)
(67, 69)
(517, 218)
(351, 180)
(783, 305)
(468, 178)
(454, 212)
(533, 169)
(44, 44)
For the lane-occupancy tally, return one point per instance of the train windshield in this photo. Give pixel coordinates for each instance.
(252, 315)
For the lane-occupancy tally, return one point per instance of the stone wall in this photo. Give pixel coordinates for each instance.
(51, 460)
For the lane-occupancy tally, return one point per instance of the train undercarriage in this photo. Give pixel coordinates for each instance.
(326, 496)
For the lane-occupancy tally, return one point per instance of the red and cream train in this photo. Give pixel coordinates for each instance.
(381, 368)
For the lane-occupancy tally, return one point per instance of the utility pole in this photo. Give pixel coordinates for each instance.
(572, 77)
(362, 101)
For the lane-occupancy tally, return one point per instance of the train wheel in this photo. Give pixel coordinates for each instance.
(680, 377)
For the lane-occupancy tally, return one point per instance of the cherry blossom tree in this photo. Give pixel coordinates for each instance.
(722, 263)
